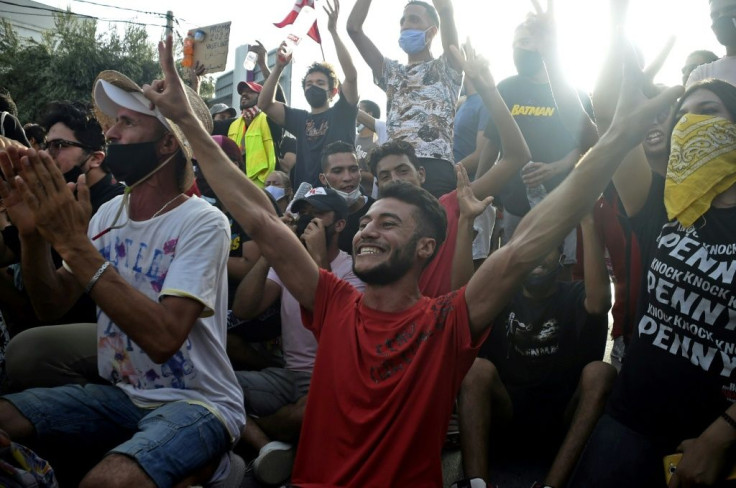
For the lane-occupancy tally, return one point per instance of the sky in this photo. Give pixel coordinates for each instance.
(489, 24)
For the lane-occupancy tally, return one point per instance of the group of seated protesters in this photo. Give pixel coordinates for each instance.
(176, 299)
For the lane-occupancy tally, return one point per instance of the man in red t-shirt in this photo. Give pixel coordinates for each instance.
(390, 360)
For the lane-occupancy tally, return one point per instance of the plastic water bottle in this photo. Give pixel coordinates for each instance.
(250, 61)
(534, 194)
(299, 28)
(303, 189)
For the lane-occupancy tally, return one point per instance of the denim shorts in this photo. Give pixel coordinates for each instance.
(168, 442)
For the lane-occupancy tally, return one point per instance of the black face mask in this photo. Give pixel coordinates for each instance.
(130, 163)
(725, 30)
(539, 284)
(73, 174)
(528, 63)
(316, 96)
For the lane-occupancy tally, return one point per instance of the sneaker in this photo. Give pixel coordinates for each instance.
(274, 462)
(537, 484)
(470, 483)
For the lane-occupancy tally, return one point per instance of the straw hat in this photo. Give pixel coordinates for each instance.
(113, 90)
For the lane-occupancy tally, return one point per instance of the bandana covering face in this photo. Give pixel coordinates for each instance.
(702, 165)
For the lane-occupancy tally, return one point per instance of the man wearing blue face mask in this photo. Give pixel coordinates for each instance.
(422, 93)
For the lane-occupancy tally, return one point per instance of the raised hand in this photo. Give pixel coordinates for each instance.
(634, 111)
(168, 95)
(19, 213)
(60, 217)
(333, 11)
(474, 66)
(259, 49)
(470, 206)
(544, 29)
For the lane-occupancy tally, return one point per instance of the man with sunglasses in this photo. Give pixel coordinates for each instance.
(76, 142)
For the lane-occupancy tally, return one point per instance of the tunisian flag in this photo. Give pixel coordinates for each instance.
(314, 31)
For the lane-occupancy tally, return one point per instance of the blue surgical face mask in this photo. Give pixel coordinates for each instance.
(413, 41)
(276, 192)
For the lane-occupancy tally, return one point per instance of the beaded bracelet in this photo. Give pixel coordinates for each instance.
(731, 421)
(96, 276)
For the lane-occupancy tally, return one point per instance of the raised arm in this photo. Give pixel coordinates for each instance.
(267, 98)
(515, 151)
(470, 208)
(350, 82)
(633, 178)
(549, 222)
(247, 203)
(448, 30)
(261, 52)
(366, 48)
(52, 293)
(569, 107)
(597, 283)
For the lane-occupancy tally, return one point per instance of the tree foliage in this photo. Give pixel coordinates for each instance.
(64, 65)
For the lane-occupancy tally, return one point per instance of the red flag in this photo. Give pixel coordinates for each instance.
(291, 17)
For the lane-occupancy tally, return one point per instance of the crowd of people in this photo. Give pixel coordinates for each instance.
(326, 298)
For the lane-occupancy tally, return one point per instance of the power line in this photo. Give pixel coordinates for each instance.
(50, 12)
(121, 8)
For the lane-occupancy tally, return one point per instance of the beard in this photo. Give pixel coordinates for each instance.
(398, 264)
(244, 104)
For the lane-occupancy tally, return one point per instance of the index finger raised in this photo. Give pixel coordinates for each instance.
(166, 57)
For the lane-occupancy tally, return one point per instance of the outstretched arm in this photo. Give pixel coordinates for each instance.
(569, 107)
(366, 48)
(350, 83)
(267, 98)
(470, 208)
(247, 203)
(447, 29)
(515, 151)
(549, 222)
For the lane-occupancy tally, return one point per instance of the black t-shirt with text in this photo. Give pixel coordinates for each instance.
(678, 373)
(534, 109)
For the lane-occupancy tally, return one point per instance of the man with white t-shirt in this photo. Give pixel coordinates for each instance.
(723, 15)
(154, 261)
(278, 395)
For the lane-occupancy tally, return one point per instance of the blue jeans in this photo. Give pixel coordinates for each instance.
(168, 442)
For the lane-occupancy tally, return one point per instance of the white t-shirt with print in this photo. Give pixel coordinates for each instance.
(180, 253)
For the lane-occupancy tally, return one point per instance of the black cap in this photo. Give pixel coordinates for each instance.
(324, 199)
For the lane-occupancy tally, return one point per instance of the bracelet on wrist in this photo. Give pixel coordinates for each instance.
(96, 276)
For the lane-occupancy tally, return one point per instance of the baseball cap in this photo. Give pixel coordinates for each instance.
(324, 199)
(218, 108)
(251, 85)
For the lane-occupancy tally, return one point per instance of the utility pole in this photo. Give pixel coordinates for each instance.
(169, 22)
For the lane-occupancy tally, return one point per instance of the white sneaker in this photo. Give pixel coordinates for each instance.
(274, 462)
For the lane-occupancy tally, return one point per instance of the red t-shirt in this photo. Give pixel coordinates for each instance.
(382, 390)
(435, 280)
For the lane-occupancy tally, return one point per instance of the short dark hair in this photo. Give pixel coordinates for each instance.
(79, 118)
(708, 56)
(722, 89)
(392, 148)
(429, 215)
(336, 148)
(326, 69)
(7, 104)
(36, 132)
(371, 108)
(431, 11)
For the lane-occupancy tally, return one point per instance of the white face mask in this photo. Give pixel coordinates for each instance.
(350, 198)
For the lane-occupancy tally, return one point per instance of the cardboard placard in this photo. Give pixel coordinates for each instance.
(211, 51)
